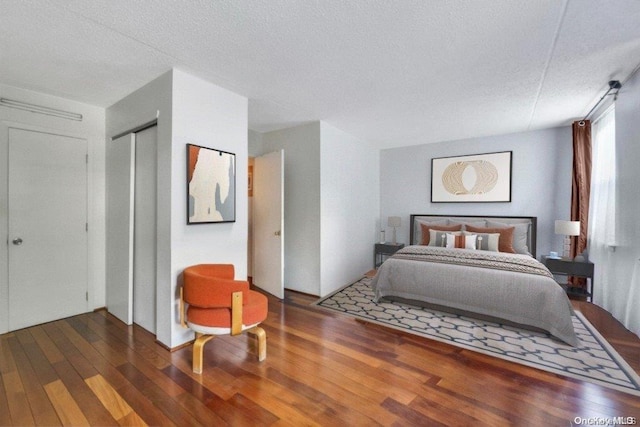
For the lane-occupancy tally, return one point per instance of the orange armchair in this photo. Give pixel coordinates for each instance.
(216, 304)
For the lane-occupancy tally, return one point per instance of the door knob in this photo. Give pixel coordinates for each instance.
(277, 233)
(17, 241)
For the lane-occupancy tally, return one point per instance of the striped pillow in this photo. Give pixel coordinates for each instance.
(485, 241)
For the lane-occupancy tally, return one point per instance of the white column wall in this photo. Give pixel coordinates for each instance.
(350, 203)
(210, 116)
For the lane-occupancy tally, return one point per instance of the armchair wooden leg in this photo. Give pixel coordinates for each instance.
(198, 347)
(261, 336)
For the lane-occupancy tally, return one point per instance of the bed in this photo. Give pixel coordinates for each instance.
(513, 288)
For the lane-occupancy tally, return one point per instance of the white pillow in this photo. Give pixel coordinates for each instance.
(469, 240)
(485, 241)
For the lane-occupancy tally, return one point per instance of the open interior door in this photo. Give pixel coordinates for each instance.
(268, 223)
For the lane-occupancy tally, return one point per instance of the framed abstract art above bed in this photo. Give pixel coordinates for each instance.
(472, 178)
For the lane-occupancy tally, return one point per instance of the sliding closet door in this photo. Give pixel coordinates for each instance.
(120, 190)
(144, 253)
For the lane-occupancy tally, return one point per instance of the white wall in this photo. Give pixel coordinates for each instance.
(301, 147)
(90, 128)
(189, 110)
(207, 115)
(350, 197)
(541, 180)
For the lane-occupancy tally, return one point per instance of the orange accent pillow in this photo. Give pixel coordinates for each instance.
(505, 243)
(460, 241)
(425, 231)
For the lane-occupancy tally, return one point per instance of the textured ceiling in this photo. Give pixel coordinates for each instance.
(394, 73)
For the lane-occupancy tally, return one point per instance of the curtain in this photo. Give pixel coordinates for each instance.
(581, 183)
(602, 229)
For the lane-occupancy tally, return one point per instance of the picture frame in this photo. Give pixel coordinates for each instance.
(476, 178)
(211, 185)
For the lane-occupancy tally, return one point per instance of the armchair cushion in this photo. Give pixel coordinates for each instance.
(223, 271)
(212, 292)
(254, 311)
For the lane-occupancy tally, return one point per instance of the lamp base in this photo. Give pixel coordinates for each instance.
(566, 249)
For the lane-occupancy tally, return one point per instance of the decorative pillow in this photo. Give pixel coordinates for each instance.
(419, 225)
(439, 237)
(474, 224)
(461, 241)
(519, 235)
(426, 235)
(486, 241)
(505, 243)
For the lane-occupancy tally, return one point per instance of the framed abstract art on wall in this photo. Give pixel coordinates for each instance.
(211, 185)
(472, 178)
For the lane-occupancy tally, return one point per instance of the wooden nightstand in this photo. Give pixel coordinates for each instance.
(568, 267)
(383, 250)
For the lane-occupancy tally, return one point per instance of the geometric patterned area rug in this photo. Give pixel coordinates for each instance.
(594, 360)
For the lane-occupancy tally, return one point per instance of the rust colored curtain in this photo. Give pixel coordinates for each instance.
(581, 187)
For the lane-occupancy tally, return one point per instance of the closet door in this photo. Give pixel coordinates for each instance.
(120, 192)
(144, 241)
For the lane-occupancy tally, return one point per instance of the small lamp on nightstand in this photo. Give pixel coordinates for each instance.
(567, 228)
(394, 222)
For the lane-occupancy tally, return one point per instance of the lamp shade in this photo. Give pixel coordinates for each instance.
(394, 221)
(568, 228)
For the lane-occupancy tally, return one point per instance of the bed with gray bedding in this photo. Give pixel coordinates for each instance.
(505, 286)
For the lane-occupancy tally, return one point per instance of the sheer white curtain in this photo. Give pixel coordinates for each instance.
(602, 215)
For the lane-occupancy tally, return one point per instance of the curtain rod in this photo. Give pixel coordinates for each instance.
(613, 85)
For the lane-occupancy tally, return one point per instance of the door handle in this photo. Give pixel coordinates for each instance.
(17, 241)
(277, 233)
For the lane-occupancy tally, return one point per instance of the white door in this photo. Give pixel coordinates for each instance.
(268, 223)
(144, 237)
(120, 158)
(47, 227)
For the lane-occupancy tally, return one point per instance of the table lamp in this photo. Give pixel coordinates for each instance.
(394, 222)
(567, 228)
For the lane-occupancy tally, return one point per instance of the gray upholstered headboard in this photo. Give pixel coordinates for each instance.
(531, 221)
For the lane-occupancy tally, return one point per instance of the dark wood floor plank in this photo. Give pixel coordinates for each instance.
(243, 409)
(7, 364)
(163, 401)
(91, 407)
(5, 414)
(41, 409)
(148, 401)
(39, 362)
(46, 344)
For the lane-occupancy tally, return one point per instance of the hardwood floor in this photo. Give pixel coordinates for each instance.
(321, 369)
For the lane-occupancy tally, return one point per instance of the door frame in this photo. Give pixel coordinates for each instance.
(5, 125)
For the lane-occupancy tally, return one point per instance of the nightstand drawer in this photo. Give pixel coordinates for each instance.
(569, 267)
(382, 250)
